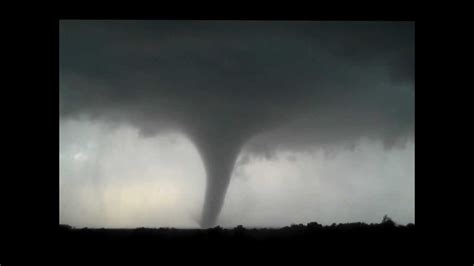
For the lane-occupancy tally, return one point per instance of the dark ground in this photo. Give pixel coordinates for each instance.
(358, 238)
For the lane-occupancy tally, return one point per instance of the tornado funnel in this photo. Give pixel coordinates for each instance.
(219, 152)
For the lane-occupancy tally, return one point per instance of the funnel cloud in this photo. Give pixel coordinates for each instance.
(229, 86)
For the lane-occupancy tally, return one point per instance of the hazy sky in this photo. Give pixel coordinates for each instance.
(318, 117)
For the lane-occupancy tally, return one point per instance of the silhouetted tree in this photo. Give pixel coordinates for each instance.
(387, 221)
(239, 228)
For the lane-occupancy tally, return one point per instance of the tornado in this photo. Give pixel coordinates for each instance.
(219, 166)
(219, 149)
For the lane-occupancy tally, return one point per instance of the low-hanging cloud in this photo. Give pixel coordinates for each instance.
(233, 85)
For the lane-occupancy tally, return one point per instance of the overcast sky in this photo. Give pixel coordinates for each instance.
(317, 116)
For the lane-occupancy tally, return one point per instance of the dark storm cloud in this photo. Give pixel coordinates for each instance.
(237, 74)
(284, 84)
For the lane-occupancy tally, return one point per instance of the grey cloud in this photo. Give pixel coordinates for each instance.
(241, 75)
